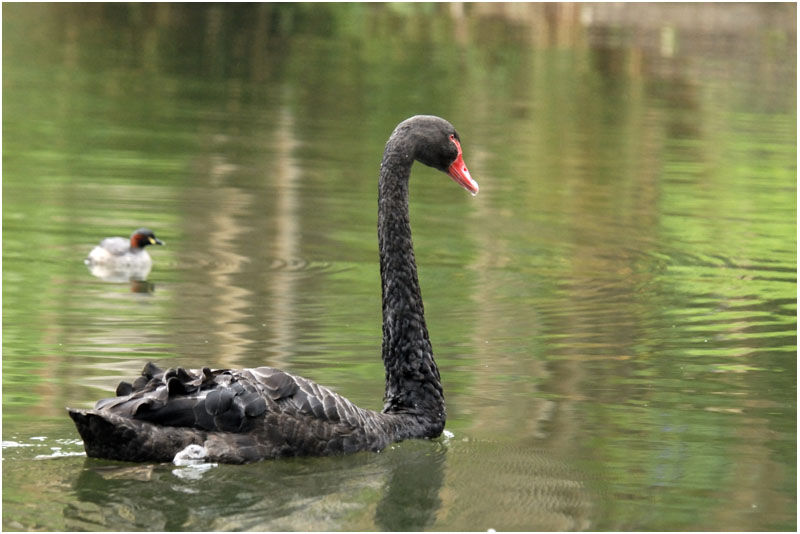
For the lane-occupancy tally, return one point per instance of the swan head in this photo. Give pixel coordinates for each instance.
(436, 143)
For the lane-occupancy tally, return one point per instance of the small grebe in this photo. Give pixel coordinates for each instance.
(124, 259)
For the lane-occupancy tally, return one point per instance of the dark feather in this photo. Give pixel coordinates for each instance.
(218, 401)
(202, 417)
(124, 389)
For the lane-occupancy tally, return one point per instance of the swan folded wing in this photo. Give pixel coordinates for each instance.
(226, 400)
(298, 395)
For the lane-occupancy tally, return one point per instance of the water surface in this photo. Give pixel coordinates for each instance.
(614, 315)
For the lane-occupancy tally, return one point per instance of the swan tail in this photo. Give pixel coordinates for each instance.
(106, 435)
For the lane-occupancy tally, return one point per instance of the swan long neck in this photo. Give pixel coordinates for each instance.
(413, 385)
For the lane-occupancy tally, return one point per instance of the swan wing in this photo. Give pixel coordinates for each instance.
(225, 400)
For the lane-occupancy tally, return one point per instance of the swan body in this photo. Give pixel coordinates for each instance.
(121, 259)
(245, 415)
(236, 416)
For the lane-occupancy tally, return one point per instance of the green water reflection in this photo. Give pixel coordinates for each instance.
(614, 315)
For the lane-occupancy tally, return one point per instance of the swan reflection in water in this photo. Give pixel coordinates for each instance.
(407, 487)
(396, 490)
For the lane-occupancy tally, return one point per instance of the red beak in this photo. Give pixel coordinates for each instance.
(458, 171)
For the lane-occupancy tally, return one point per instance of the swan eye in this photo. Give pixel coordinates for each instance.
(455, 142)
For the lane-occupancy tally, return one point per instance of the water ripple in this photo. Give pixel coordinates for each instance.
(228, 264)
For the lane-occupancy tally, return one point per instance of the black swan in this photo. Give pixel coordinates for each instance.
(245, 415)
